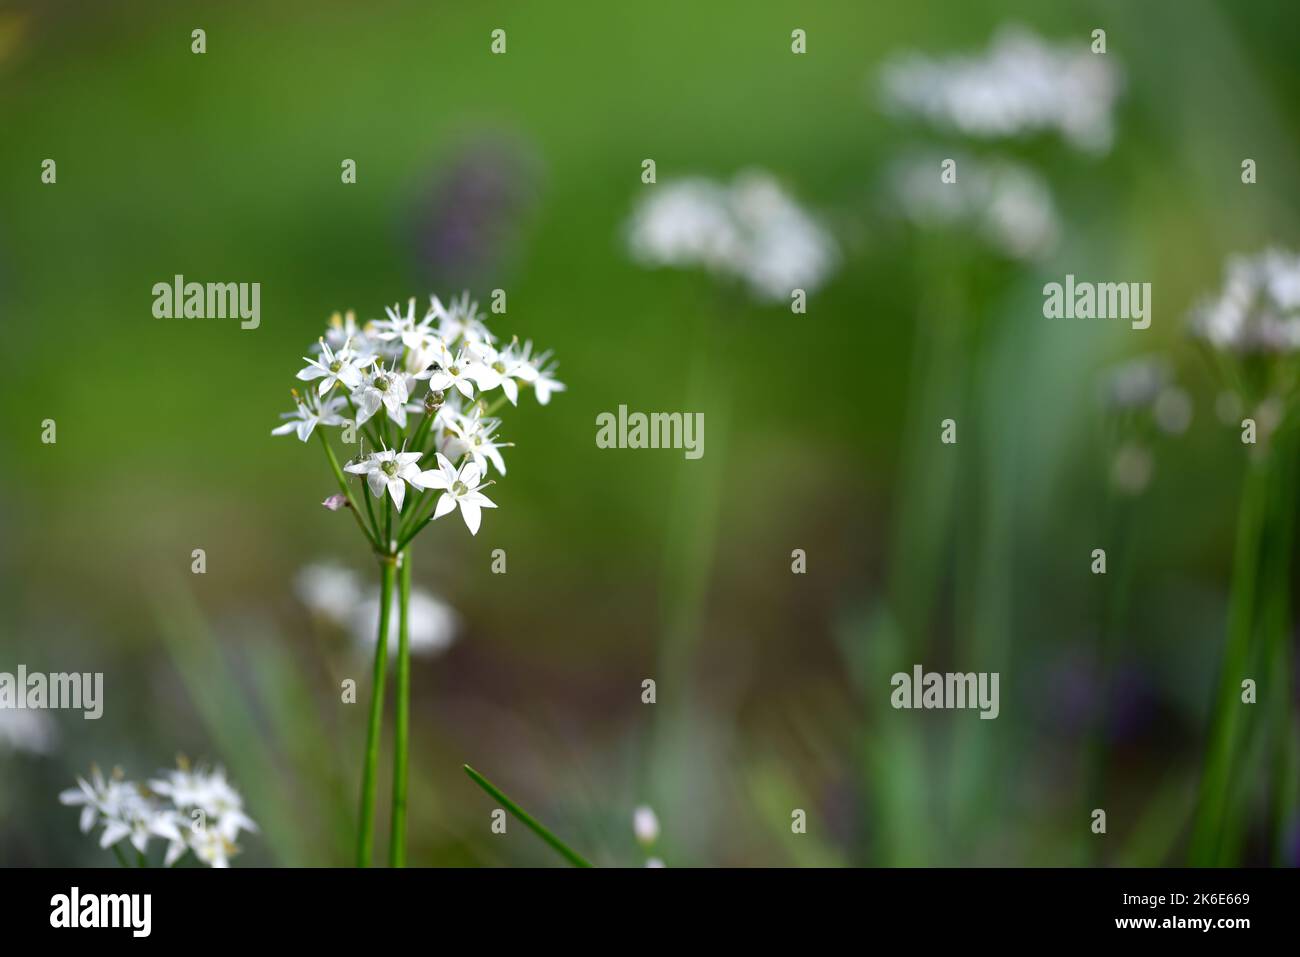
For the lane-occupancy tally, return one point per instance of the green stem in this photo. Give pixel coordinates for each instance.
(121, 858)
(365, 827)
(570, 855)
(401, 738)
(1209, 825)
(347, 489)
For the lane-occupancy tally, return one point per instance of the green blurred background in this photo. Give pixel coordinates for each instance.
(772, 687)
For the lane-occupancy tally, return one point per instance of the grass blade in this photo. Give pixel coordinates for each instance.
(568, 853)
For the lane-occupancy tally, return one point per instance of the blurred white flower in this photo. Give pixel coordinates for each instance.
(165, 810)
(1134, 384)
(645, 824)
(1258, 309)
(1021, 85)
(27, 730)
(654, 862)
(432, 624)
(1131, 469)
(1006, 203)
(328, 590)
(750, 230)
(1173, 410)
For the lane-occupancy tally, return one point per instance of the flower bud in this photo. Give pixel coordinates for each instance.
(433, 401)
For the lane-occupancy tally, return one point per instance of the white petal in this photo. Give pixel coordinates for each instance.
(377, 480)
(114, 831)
(469, 511)
(445, 504)
(397, 489)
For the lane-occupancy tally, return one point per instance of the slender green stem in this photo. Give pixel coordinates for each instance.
(401, 737)
(347, 489)
(121, 858)
(388, 525)
(1208, 828)
(366, 825)
(570, 855)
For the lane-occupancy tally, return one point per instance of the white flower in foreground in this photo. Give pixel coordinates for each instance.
(459, 373)
(389, 470)
(1258, 309)
(432, 624)
(343, 366)
(27, 730)
(504, 369)
(1022, 85)
(1007, 204)
(459, 489)
(383, 388)
(472, 435)
(645, 823)
(750, 230)
(312, 411)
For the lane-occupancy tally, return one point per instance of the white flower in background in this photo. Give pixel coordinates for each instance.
(431, 624)
(1006, 203)
(166, 809)
(654, 862)
(27, 730)
(342, 330)
(1258, 309)
(1134, 384)
(401, 327)
(544, 381)
(342, 366)
(1021, 85)
(388, 470)
(460, 488)
(459, 319)
(383, 388)
(645, 824)
(750, 230)
(328, 590)
(312, 411)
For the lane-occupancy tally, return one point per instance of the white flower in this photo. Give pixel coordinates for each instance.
(1020, 86)
(328, 590)
(312, 410)
(92, 796)
(645, 823)
(459, 373)
(501, 369)
(459, 319)
(1258, 309)
(544, 382)
(460, 488)
(389, 470)
(1007, 204)
(383, 388)
(472, 435)
(342, 366)
(404, 327)
(431, 623)
(27, 730)
(749, 229)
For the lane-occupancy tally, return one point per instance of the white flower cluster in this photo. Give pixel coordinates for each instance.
(337, 595)
(1006, 203)
(749, 230)
(369, 376)
(1022, 85)
(192, 810)
(1258, 309)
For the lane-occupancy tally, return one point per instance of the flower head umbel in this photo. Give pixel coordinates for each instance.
(460, 488)
(195, 811)
(416, 386)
